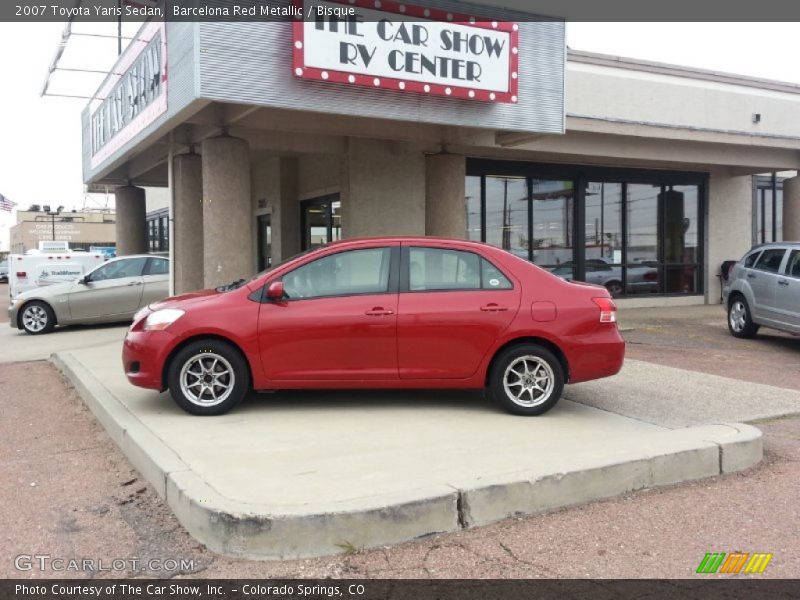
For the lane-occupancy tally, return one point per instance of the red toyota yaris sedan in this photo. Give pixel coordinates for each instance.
(380, 313)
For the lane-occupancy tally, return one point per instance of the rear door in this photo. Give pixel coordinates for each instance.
(113, 289)
(787, 293)
(155, 281)
(453, 305)
(763, 278)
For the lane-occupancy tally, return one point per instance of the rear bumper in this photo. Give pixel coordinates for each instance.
(144, 354)
(596, 355)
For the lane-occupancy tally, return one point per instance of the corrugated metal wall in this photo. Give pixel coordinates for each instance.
(251, 63)
(181, 90)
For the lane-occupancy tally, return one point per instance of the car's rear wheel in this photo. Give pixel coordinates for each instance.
(208, 377)
(526, 380)
(614, 288)
(740, 323)
(37, 317)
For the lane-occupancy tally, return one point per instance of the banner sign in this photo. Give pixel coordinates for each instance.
(132, 96)
(408, 48)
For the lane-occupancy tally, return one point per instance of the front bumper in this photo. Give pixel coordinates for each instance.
(12, 315)
(144, 354)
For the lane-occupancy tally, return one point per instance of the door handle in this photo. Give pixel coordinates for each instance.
(379, 311)
(782, 282)
(751, 275)
(492, 307)
(135, 283)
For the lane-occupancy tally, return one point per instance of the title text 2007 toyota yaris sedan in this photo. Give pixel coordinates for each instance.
(380, 313)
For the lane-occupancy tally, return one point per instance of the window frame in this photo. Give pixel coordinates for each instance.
(405, 273)
(392, 284)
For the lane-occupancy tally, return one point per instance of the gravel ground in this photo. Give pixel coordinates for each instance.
(67, 491)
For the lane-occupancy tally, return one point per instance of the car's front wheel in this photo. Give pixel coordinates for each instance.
(526, 380)
(740, 323)
(37, 317)
(208, 377)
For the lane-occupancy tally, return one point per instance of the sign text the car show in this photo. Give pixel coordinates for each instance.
(408, 48)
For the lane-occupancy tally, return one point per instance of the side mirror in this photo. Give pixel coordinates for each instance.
(84, 280)
(275, 291)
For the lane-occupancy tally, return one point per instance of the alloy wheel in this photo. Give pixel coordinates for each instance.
(207, 379)
(34, 318)
(528, 381)
(738, 316)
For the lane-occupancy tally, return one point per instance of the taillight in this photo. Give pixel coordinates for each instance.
(21, 274)
(608, 310)
(650, 276)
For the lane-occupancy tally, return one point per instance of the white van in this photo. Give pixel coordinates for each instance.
(29, 271)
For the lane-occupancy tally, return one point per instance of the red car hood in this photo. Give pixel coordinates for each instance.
(185, 299)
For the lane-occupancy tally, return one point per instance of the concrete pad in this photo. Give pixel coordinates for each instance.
(304, 474)
(18, 346)
(676, 397)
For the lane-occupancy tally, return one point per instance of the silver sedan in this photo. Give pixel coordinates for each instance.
(112, 292)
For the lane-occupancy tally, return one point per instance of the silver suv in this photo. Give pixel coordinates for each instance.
(764, 290)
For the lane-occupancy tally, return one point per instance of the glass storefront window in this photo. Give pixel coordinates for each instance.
(507, 214)
(603, 235)
(766, 228)
(472, 205)
(633, 237)
(553, 211)
(321, 221)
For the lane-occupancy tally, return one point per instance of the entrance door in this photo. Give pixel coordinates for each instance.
(321, 221)
(264, 242)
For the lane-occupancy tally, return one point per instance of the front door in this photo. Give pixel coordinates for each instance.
(453, 306)
(763, 278)
(787, 293)
(112, 289)
(338, 320)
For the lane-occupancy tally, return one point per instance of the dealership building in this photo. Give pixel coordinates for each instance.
(451, 119)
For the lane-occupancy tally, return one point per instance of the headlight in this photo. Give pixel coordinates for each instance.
(161, 319)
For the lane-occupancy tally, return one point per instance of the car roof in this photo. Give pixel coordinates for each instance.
(774, 245)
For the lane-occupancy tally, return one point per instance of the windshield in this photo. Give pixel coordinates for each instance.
(283, 262)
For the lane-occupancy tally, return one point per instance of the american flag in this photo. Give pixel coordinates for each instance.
(6, 204)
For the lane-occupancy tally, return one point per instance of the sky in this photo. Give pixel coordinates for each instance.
(40, 137)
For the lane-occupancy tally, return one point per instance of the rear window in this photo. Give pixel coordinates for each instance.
(770, 260)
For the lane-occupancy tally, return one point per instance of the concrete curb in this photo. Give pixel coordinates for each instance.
(259, 531)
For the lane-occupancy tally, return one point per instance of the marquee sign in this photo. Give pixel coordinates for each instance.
(405, 47)
(133, 96)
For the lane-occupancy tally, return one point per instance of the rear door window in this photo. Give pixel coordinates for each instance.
(770, 260)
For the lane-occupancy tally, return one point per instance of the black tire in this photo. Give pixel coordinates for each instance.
(198, 357)
(740, 322)
(614, 288)
(36, 318)
(541, 362)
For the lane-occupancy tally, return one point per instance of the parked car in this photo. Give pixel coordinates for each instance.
(112, 292)
(601, 271)
(764, 290)
(4, 271)
(380, 313)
